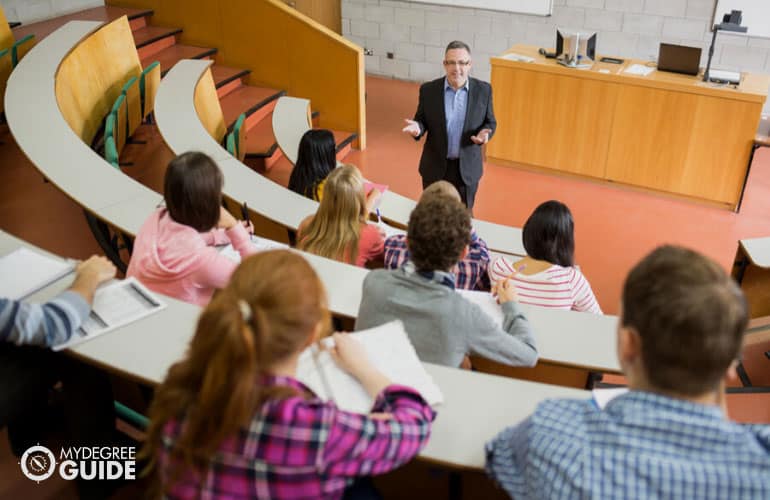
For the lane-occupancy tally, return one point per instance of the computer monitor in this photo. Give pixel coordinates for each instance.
(575, 49)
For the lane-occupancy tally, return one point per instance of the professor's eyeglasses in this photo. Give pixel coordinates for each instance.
(461, 64)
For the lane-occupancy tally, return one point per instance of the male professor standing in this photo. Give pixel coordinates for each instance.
(456, 112)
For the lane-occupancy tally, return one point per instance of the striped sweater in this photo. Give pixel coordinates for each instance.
(46, 324)
(556, 287)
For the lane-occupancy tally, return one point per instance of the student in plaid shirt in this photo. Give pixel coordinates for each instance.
(470, 272)
(680, 331)
(231, 421)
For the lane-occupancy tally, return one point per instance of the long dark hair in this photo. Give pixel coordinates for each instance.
(315, 159)
(549, 234)
(192, 188)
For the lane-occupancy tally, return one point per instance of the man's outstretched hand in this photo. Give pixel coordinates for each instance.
(412, 128)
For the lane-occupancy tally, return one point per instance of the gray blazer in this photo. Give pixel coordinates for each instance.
(442, 325)
(432, 119)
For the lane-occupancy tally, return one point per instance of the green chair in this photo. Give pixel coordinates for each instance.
(111, 152)
(149, 81)
(239, 136)
(132, 95)
(132, 417)
(230, 144)
(20, 48)
(119, 109)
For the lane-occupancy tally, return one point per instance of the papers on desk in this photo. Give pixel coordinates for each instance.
(388, 348)
(262, 245)
(116, 304)
(388, 229)
(24, 271)
(603, 396)
(486, 302)
(369, 186)
(512, 56)
(638, 69)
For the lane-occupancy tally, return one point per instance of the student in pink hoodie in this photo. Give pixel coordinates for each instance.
(173, 252)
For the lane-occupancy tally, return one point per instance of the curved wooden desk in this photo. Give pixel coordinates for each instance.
(182, 130)
(476, 407)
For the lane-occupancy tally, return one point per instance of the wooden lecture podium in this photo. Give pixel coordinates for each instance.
(664, 132)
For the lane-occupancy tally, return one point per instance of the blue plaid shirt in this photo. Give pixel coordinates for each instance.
(470, 273)
(642, 445)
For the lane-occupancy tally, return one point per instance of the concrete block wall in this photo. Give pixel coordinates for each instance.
(28, 11)
(416, 33)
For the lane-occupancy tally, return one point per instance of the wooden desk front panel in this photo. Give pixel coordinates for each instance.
(682, 143)
(552, 121)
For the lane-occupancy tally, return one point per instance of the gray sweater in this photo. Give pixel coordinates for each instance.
(442, 325)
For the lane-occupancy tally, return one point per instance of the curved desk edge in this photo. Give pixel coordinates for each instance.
(47, 140)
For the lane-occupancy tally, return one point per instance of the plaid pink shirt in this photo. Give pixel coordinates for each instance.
(306, 448)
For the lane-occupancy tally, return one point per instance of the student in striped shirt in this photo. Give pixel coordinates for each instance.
(680, 331)
(231, 420)
(548, 276)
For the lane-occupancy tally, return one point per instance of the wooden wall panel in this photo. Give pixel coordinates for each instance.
(208, 108)
(283, 48)
(6, 35)
(91, 77)
(682, 143)
(552, 121)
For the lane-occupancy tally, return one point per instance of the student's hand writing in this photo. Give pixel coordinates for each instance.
(349, 354)
(482, 137)
(248, 225)
(226, 219)
(90, 274)
(412, 127)
(505, 291)
(371, 199)
(97, 269)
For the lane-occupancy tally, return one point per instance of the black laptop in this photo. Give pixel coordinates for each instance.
(679, 59)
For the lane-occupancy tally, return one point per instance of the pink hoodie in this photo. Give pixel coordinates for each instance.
(178, 261)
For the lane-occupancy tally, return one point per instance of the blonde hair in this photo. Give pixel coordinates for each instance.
(335, 229)
(268, 312)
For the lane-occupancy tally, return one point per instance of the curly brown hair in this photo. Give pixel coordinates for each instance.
(439, 229)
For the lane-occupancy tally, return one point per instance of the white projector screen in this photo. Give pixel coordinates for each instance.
(537, 7)
(756, 15)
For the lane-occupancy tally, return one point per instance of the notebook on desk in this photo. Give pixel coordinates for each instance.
(24, 272)
(389, 350)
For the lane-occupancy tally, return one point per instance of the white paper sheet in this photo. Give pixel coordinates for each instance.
(604, 396)
(24, 271)
(116, 304)
(262, 245)
(389, 349)
(638, 69)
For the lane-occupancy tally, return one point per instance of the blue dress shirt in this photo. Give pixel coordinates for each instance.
(642, 445)
(455, 103)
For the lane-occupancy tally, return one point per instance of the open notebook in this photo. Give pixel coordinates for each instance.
(486, 302)
(24, 272)
(262, 244)
(117, 303)
(388, 348)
